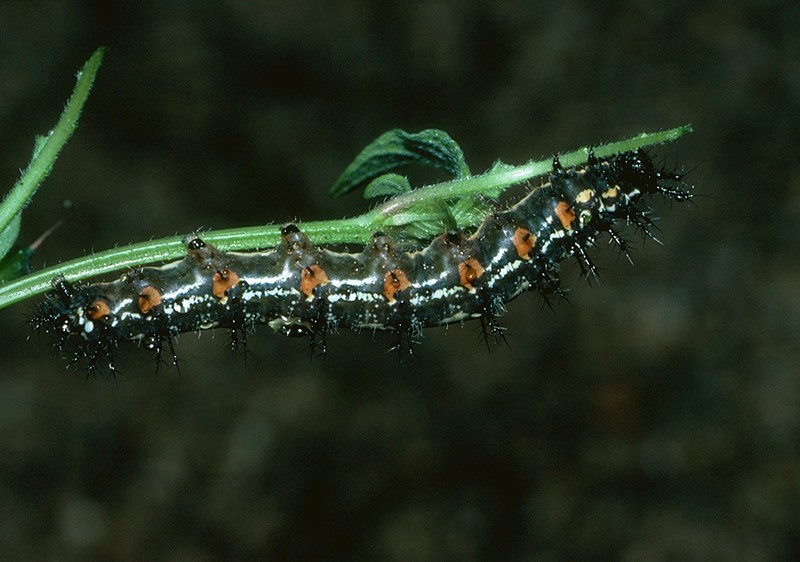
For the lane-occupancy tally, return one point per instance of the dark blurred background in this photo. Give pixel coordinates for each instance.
(653, 417)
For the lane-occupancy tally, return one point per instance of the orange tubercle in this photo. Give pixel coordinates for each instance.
(469, 271)
(524, 241)
(224, 279)
(565, 214)
(312, 277)
(98, 310)
(393, 282)
(149, 298)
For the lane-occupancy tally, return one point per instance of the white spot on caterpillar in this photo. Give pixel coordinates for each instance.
(584, 196)
(353, 296)
(504, 272)
(438, 294)
(251, 294)
(174, 294)
(122, 304)
(497, 257)
(458, 317)
(432, 281)
(355, 282)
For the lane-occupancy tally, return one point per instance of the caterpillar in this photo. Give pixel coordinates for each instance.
(300, 289)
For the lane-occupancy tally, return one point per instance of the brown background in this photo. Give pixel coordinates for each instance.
(656, 416)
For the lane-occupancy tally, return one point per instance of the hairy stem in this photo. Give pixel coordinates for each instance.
(401, 210)
(47, 147)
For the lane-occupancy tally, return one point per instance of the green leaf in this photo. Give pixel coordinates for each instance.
(16, 264)
(498, 167)
(388, 185)
(469, 211)
(9, 236)
(424, 230)
(397, 148)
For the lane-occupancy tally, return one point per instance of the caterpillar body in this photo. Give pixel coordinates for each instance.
(301, 289)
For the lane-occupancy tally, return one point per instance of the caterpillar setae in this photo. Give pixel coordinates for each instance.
(300, 289)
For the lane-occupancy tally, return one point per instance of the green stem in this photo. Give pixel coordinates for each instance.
(355, 230)
(513, 175)
(47, 148)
